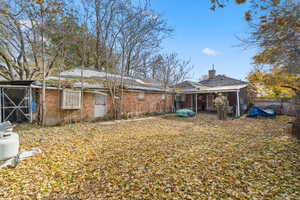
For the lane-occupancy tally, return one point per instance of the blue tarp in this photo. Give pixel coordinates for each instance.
(33, 106)
(257, 111)
(185, 113)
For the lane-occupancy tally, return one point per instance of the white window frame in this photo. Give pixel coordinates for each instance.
(102, 96)
(141, 96)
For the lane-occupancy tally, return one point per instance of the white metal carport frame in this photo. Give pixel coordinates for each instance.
(220, 89)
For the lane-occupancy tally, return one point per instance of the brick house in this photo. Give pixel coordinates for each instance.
(199, 96)
(21, 100)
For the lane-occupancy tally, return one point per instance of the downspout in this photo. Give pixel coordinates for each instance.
(30, 103)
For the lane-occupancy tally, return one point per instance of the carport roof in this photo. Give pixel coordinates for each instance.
(229, 88)
(17, 82)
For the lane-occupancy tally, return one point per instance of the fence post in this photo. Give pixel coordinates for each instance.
(296, 124)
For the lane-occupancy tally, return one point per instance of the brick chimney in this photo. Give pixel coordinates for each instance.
(211, 73)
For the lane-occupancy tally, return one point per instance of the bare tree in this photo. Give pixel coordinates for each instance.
(21, 44)
(172, 70)
(38, 38)
(25, 52)
(143, 34)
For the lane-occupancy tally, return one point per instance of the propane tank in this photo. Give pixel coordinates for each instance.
(9, 145)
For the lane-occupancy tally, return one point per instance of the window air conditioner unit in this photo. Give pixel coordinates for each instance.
(71, 100)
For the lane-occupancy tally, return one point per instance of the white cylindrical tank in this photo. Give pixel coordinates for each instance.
(9, 145)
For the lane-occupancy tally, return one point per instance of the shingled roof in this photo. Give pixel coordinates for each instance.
(187, 85)
(221, 80)
(94, 79)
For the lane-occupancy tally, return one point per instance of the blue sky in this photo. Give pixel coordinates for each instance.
(207, 37)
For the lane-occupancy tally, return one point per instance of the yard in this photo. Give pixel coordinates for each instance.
(161, 158)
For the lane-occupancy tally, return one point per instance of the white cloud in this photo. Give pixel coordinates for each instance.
(149, 14)
(209, 52)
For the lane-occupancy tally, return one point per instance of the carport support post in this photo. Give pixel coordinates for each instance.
(196, 103)
(238, 112)
(192, 106)
(296, 123)
(206, 101)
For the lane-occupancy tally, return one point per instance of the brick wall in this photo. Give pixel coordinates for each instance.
(55, 115)
(152, 102)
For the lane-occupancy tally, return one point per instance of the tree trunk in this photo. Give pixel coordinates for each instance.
(296, 124)
(44, 107)
(97, 10)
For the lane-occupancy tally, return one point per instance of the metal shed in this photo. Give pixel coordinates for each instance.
(16, 101)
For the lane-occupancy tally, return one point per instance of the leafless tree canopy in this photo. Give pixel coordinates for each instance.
(39, 38)
(121, 36)
(21, 39)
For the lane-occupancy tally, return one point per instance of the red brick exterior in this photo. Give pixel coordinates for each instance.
(55, 115)
(152, 102)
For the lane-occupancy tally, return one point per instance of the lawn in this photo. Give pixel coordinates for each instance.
(162, 158)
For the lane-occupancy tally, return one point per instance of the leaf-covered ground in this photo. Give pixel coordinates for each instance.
(163, 158)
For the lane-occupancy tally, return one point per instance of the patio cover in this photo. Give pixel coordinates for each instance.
(229, 88)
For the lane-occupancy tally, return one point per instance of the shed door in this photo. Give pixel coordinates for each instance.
(100, 105)
(16, 104)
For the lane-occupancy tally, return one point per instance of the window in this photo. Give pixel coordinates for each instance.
(183, 97)
(71, 99)
(141, 96)
(100, 99)
(180, 97)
